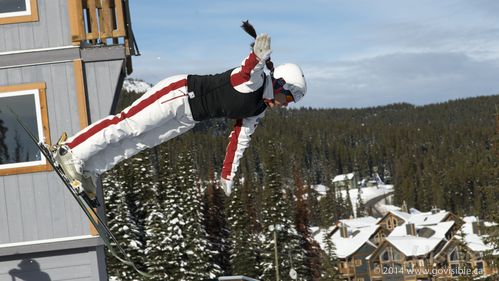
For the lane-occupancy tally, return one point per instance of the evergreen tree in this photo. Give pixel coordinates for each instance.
(329, 260)
(245, 248)
(188, 252)
(122, 219)
(216, 225)
(360, 207)
(302, 225)
(277, 225)
(156, 224)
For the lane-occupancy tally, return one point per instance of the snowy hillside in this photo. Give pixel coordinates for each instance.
(136, 86)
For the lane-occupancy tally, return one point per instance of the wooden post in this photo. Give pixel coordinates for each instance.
(77, 25)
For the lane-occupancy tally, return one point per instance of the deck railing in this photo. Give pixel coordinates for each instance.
(102, 23)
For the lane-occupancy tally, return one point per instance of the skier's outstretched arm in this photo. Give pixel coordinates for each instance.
(238, 141)
(249, 76)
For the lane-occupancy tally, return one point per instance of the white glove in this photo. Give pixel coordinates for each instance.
(262, 47)
(226, 186)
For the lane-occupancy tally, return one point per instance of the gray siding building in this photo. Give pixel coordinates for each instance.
(62, 64)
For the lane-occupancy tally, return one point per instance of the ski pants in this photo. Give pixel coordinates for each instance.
(159, 115)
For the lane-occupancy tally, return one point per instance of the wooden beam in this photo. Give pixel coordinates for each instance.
(82, 106)
(92, 19)
(76, 21)
(80, 93)
(120, 19)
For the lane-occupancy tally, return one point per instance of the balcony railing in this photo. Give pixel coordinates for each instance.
(101, 22)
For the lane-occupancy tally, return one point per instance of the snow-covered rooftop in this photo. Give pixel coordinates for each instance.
(474, 241)
(414, 245)
(403, 215)
(428, 218)
(360, 222)
(349, 245)
(343, 177)
(439, 229)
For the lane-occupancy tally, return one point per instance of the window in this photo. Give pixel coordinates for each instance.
(479, 267)
(454, 255)
(18, 154)
(409, 267)
(358, 262)
(16, 11)
(396, 255)
(385, 256)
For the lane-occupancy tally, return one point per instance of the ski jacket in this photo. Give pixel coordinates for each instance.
(238, 94)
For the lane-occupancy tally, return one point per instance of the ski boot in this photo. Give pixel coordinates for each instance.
(83, 184)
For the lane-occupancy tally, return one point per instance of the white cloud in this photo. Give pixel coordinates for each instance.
(418, 78)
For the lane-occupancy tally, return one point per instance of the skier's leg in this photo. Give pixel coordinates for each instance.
(126, 148)
(157, 106)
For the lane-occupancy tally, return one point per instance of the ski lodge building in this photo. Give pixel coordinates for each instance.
(62, 65)
(435, 245)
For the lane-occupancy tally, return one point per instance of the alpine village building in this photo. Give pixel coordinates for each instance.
(403, 246)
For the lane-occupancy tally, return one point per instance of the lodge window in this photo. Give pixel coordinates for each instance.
(18, 154)
(479, 267)
(392, 261)
(17, 11)
(358, 262)
(409, 267)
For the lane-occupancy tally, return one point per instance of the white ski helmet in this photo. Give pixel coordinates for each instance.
(295, 80)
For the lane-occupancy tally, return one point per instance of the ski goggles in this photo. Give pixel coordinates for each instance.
(279, 88)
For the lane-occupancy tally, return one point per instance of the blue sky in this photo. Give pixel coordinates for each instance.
(354, 53)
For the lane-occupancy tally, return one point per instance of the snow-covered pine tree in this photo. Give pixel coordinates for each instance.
(245, 248)
(276, 213)
(348, 204)
(188, 251)
(216, 224)
(115, 184)
(140, 200)
(156, 227)
(329, 261)
(328, 207)
(360, 208)
(302, 225)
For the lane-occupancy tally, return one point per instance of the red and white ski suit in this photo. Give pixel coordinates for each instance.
(169, 109)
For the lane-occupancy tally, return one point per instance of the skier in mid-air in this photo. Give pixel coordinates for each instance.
(174, 105)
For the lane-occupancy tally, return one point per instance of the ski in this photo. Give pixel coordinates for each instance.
(86, 204)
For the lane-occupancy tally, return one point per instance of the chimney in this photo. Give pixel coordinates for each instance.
(477, 226)
(410, 228)
(435, 210)
(404, 207)
(343, 231)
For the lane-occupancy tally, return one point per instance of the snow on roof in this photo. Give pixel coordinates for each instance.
(403, 215)
(414, 245)
(474, 241)
(360, 222)
(349, 245)
(428, 218)
(414, 211)
(439, 229)
(343, 177)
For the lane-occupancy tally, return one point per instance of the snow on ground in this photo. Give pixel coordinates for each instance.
(366, 193)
